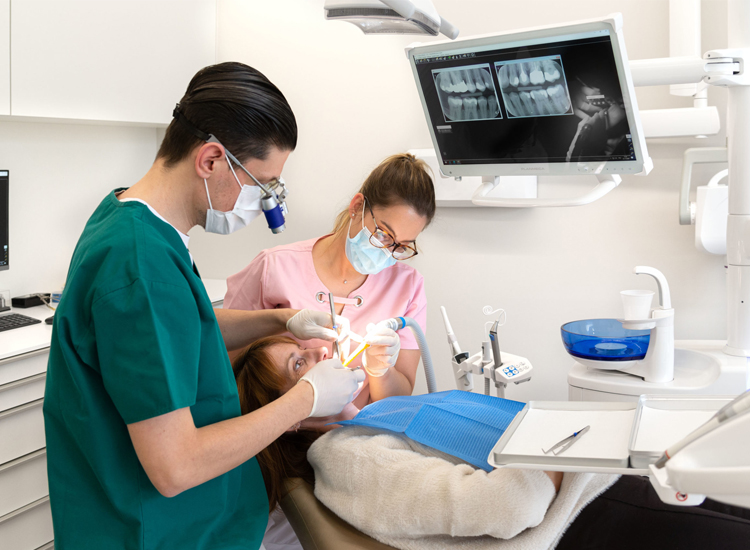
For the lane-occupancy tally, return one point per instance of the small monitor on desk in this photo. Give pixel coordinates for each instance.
(4, 218)
(550, 100)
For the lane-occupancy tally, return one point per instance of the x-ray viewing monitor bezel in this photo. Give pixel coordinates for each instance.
(611, 26)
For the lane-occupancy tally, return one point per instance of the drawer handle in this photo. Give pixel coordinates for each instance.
(22, 459)
(26, 508)
(21, 408)
(23, 381)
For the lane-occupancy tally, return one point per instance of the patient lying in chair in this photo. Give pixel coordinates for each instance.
(410, 496)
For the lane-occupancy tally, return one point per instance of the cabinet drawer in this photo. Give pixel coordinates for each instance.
(27, 528)
(23, 481)
(23, 366)
(21, 431)
(22, 391)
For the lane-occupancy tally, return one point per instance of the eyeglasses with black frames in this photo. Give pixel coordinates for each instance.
(381, 238)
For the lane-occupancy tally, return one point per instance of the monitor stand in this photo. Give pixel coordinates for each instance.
(607, 182)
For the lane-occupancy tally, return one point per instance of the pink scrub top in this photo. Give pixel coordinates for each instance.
(285, 277)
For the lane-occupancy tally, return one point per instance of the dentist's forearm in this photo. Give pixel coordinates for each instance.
(177, 456)
(240, 328)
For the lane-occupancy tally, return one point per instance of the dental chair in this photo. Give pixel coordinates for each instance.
(318, 528)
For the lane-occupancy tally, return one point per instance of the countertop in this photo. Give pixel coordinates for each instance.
(23, 340)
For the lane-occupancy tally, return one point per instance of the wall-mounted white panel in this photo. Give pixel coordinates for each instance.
(4, 57)
(120, 60)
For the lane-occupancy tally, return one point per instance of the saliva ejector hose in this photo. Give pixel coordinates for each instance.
(397, 323)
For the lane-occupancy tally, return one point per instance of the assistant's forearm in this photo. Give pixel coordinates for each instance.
(392, 383)
(400, 378)
(239, 327)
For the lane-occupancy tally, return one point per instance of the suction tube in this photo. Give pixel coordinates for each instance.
(397, 323)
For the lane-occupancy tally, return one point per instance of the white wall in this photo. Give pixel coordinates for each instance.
(356, 103)
(59, 173)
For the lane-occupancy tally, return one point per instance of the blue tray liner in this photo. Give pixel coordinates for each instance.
(462, 424)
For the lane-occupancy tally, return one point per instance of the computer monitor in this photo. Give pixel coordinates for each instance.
(4, 218)
(550, 100)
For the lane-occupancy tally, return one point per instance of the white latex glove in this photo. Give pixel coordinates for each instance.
(383, 351)
(309, 323)
(333, 386)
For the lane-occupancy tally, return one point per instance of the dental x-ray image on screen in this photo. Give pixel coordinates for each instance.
(467, 93)
(560, 102)
(534, 87)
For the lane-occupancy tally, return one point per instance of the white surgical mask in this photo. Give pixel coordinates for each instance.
(247, 207)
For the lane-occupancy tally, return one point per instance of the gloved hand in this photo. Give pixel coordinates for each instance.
(333, 386)
(383, 351)
(309, 323)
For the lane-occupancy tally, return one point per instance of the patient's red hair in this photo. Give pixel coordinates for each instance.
(259, 382)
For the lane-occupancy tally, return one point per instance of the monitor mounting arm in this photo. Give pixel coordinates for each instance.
(607, 182)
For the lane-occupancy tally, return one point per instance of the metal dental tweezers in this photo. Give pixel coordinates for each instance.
(567, 442)
(335, 348)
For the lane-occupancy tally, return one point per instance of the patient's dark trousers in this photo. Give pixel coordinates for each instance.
(629, 515)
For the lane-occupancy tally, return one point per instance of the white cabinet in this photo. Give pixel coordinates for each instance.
(113, 60)
(25, 517)
(4, 57)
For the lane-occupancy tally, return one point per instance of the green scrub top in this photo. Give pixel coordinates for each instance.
(134, 337)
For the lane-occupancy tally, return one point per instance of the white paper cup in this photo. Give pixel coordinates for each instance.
(636, 304)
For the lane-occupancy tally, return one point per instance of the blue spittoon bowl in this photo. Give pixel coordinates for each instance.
(604, 340)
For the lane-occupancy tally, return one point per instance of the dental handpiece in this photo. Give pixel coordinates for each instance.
(737, 406)
(458, 355)
(452, 342)
(495, 345)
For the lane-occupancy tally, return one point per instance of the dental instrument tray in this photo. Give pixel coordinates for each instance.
(624, 438)
(541, 424)
(662, 420)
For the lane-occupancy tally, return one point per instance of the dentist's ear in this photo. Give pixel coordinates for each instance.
(206, 158)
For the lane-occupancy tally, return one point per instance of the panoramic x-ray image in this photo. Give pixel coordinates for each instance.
(534, 87)
(467, 93)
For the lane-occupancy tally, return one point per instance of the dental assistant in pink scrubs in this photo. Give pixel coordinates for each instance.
(364, 264)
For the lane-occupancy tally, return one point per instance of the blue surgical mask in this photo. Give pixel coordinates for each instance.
(365, 257)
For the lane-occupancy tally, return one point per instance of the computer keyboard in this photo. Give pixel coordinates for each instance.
(15, 320)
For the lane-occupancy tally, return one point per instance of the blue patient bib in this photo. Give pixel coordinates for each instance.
(462, 424)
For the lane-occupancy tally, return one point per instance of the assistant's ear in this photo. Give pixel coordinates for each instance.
(355, 206)
(206, 158)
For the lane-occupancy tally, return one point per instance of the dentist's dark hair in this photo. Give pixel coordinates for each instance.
(239, 106)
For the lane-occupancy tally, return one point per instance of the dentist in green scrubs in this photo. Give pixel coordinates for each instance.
(146, 445)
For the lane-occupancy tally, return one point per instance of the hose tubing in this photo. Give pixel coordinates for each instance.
(398, 323)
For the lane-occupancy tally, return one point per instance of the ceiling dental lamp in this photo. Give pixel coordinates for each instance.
(390, 16)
